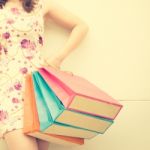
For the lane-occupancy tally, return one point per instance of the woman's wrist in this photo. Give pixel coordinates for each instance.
(59, 57)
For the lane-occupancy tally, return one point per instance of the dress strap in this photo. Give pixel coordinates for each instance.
(38, 4)
(38, 7)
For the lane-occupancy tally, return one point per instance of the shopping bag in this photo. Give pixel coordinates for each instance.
(54, 118)
(31, 121)
(79, 94)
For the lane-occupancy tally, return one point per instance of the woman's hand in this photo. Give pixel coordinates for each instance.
(53, 62)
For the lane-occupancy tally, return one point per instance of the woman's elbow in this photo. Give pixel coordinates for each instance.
(86, 28)
(83, 27)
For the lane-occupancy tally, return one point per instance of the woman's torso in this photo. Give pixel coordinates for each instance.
(21, 38)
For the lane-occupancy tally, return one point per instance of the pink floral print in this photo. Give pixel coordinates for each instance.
(28, 44)
(17, 85)
(25, 43)
(40, 40)
(6, 35)
(15, 100)
(21, 38)
(15, 11)
(24, 70)
(3, 115)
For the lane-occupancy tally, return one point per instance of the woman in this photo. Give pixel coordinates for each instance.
(21, 38)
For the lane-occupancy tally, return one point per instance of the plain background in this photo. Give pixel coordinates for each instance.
(115, 56)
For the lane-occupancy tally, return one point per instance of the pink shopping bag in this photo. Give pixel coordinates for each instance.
(79, 94)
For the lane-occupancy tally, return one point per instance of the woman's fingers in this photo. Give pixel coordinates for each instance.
(56, 67)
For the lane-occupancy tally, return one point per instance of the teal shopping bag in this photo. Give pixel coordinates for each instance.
(48, 104)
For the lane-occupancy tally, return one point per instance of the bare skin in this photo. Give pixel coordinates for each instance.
(78, 28)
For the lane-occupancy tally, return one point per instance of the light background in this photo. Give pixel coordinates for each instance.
(115, 56)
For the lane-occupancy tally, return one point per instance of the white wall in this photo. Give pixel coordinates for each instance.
(115, 56)
(115, 53)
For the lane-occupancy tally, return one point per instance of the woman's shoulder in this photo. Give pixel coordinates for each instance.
(46, 5)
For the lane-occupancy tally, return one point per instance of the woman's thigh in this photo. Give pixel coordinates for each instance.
(42, 145)
(17, 140)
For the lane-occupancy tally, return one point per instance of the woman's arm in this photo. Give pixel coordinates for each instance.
(69, 21)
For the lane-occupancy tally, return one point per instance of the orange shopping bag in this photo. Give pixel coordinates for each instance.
(31, 121)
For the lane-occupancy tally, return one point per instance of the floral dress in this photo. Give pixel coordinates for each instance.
(21, 40)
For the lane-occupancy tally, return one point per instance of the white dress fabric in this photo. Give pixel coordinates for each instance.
(21, 40)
